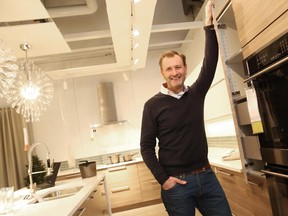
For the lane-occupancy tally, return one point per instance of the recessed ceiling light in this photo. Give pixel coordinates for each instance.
(136, 32)
(136, 1)
(136, 45)
(135, 61)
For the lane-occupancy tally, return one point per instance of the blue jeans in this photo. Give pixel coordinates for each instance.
(202, 191)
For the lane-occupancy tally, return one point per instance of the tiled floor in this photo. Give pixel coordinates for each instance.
(152, 210)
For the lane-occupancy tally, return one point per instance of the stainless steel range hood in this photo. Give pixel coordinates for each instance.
(107, 105)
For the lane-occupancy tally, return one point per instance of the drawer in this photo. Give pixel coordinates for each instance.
(243, 113)
(251, 147)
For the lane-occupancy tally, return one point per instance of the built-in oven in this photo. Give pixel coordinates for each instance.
(267, 72)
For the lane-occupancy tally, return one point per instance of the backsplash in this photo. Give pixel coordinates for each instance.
(220, 142)
(223, 142)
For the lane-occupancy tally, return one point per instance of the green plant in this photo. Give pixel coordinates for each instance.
(37, 165)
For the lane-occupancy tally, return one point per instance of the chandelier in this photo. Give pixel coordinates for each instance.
(8, 68)
(32, 90)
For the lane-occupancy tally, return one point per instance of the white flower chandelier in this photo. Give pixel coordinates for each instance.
(8, 68)
(32, 91)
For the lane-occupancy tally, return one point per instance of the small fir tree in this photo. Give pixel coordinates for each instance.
(37, 165)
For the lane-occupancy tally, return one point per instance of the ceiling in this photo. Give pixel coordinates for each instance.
(73, 38)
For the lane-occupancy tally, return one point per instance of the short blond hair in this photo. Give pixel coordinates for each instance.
(169, 54)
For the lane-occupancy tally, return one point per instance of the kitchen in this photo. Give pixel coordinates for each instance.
(74, 109)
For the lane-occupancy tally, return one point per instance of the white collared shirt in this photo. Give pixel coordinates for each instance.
(166, 91)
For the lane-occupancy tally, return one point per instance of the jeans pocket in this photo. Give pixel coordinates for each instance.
(170, 189)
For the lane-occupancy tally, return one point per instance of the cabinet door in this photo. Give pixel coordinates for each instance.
(150, 188)
(95, 205)
(252, 17)
(244, 198)
(123, 186)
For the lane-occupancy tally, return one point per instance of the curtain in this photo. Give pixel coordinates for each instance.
(12, 155)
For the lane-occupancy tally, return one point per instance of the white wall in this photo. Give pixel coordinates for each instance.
(64, 127)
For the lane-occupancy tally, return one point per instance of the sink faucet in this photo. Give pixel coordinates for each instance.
(30, 171)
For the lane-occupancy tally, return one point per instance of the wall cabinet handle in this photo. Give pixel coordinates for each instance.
(119, 189)
(117, 168)
(225, 173)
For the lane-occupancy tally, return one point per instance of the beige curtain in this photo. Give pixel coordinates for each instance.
(12, 154)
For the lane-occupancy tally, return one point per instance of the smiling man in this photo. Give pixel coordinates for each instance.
(175, 116)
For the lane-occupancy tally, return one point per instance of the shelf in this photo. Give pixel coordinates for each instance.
(227, 17)
(235, 58)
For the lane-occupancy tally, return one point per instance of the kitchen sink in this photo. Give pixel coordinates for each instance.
(58, 194)
(62, 193)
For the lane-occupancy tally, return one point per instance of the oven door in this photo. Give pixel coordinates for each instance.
(277, 181)
(272, 94)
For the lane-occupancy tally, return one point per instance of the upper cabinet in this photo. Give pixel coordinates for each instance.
(254, 17)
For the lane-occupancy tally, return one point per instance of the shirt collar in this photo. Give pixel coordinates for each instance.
(166, 91)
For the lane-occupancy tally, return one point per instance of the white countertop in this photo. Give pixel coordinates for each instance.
(70, 204)
(64, 206)
(215, 156)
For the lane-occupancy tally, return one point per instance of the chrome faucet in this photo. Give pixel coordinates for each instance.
(30, 171)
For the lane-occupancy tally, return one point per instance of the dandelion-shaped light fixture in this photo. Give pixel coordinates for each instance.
(32, 90)
(8, 68)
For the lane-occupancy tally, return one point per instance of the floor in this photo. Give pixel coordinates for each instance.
(152, 210)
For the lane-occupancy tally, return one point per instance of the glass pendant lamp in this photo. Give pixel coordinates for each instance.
(8, 68)
(32, 90)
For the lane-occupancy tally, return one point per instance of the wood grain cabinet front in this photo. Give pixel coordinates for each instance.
(123, 186)
(150, 188)
(259, 22)
(244, 198)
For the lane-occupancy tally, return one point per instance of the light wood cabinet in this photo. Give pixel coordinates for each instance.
(123, 186)
(150, 188)
(252, 17)
(259, 22)
(244, 198)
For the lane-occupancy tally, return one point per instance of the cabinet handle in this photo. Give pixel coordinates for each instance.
(253, 183)
(117, 168)
(225, 173)
(119, 189)
(79, 212)
(154, 182)
(91, 196)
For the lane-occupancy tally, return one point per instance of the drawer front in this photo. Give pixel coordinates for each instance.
(149, 186)
(123, 185)
(251, 147)
(243, 113)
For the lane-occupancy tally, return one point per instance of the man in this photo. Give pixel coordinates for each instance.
(175, 117)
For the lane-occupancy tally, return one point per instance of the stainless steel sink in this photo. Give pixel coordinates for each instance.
(62, 193)
(58, 194)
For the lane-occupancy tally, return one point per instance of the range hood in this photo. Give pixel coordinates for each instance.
(107, 106)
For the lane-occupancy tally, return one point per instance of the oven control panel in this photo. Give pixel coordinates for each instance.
(271, 53)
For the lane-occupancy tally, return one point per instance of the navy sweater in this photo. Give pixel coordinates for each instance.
(178, 124)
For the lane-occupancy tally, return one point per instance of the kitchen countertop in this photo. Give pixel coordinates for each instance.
(215, 156)
(64, 206)
(71, 204)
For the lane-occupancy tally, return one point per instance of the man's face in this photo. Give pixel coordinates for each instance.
(174, 73)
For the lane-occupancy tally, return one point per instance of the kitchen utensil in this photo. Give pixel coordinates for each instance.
(87, 169)
(128, 157)
(115, 158)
